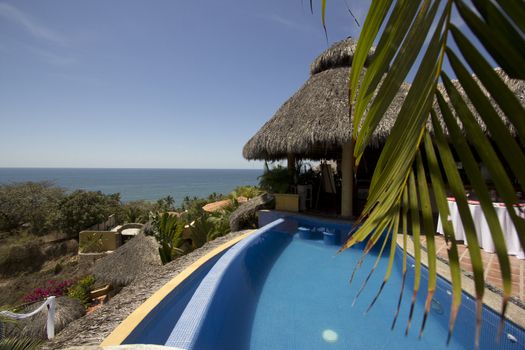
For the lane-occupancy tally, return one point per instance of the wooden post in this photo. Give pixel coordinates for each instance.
(291, 163)
(292, 170)
(347, 183)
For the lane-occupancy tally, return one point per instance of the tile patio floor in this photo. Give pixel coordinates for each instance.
(490, 266)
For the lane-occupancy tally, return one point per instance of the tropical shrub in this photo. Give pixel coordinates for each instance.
(167, 230)
(275, 180)
(83, 209)
(19, 343)
(246, 191)
(52, 287)
(220, 225)
(208, 226)
(80, 290)
(193, 208)
(200, 228)
(213, 197)
(137, 211)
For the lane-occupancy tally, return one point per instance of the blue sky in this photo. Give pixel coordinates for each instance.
(169, 84)
(151, 84)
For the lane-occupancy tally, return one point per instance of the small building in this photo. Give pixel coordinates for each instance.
(315, 123)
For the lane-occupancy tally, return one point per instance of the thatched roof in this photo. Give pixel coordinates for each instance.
(515, 85)
(315, 121)
(129, 261)
(245, 217)
(339, 54)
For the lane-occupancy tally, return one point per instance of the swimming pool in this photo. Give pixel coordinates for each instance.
(285, 287)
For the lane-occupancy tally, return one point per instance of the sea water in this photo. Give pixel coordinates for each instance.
(135, 184)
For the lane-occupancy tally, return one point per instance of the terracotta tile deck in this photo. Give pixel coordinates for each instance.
(490, 265)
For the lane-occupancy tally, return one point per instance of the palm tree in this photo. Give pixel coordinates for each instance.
(168, 232)
(412, 154)
(170, 201)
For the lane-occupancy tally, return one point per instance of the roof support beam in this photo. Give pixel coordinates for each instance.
(291, 165)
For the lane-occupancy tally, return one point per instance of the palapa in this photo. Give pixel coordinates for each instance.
(315, 122)
(128, 262)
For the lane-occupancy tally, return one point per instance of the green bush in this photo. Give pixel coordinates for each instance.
(167, 230)
(275, 180)
(193, 207)
(247, 191)
(136, 211)
(209, 226)
(19, 343)
(200, 230)
(80, 290)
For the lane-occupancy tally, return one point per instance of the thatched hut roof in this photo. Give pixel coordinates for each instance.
(339, 54)
(314, 123)
(129, 261)
(514, 85)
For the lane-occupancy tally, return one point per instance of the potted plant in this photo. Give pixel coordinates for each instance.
(277, 181)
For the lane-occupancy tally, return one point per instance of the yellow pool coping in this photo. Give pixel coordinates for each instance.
(125, 328)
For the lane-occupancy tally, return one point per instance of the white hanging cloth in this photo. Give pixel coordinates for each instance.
(50, 302)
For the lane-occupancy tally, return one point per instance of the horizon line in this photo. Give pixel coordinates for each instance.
(122, 168)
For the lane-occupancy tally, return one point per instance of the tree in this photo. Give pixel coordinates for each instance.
(32, 203)
(82, 209)
(412, 154)
(165, 203)
(137, 211)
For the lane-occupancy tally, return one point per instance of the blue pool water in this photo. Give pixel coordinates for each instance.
(284, 289)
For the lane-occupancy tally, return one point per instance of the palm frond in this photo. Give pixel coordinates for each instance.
(19, 344)
(474, 120)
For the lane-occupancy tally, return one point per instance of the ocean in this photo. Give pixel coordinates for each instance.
(135, 184)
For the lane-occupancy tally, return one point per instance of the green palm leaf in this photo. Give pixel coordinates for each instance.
(462, 114)
(19, 344)
(441, 202)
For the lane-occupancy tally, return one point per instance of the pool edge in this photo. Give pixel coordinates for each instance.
(124, 329)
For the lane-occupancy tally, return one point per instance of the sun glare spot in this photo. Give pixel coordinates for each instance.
(330, 336)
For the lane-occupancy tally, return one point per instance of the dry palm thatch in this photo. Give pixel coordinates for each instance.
(67, 310)
(315, 121)
(245, 217)
(338, 55)
(135, 257)
(515, 85)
